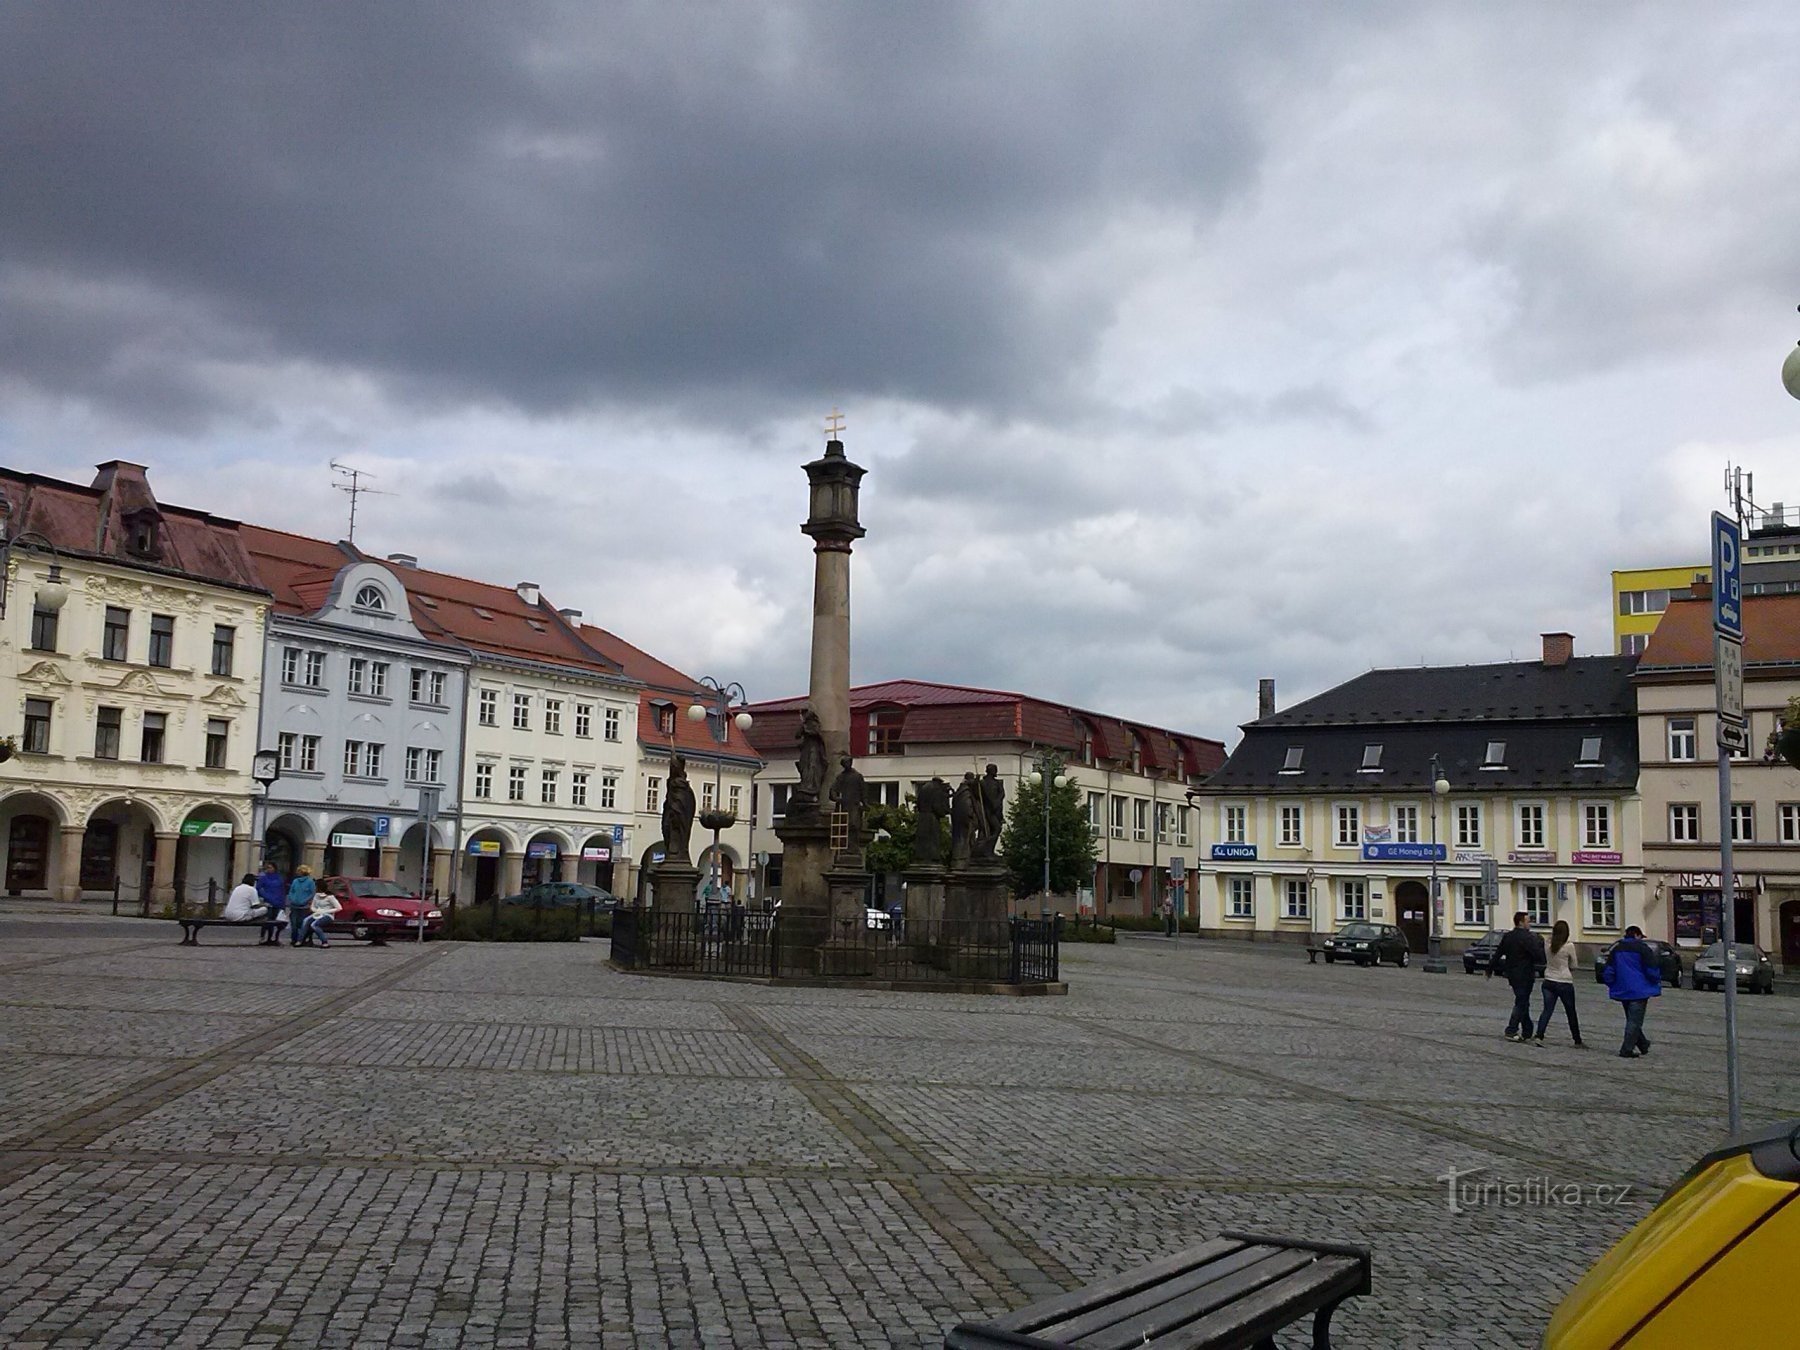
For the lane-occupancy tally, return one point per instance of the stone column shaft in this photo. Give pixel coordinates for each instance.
(68, 876)
(162, 882)
(829, 690)
(512, 873)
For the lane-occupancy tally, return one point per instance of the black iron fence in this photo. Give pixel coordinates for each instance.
(727, 942)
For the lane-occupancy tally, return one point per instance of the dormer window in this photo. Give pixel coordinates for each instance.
(1087, 749)
(1291, 764)
(371, 598)
(1590, 752)
(142, 535)
(1496, 755)
(1371, 760)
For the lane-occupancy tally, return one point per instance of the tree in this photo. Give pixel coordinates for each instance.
(1072, 850)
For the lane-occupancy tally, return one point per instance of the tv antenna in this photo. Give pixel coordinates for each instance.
(355, 488)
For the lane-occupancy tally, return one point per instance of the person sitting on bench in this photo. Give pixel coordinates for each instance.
(324, 905)
(242, 906)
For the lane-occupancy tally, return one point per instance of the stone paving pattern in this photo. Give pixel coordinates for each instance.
(233, 1145)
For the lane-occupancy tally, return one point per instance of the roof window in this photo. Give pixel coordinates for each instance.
(371, 597)
(427, 601)
(1294, 755)
(535, 624)
(1496, 755)
(481, 613)
(1371, 761)
(1590, 752)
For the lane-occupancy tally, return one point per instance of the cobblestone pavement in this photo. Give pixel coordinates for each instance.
(233, 1145)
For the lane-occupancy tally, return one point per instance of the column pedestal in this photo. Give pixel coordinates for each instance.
(512, 873)
(162, 878)
(805, 913)
(849, 950)
(977, 932)
(68, 875)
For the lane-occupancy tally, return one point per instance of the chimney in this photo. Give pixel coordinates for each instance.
(403, 559)
(1265, 699)
(1700, 589)
(528, 591)
(1558, 648)
(572, 615)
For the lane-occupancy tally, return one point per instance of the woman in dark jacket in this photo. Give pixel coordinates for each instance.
(1633, 977)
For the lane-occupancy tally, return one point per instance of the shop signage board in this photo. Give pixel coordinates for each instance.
(1234, 852)
(1596, 857)
(484, 848)
(206, 829)
(597, 853)
(343, 840)
(1531, 855)
(541, 848)
(1405, 852)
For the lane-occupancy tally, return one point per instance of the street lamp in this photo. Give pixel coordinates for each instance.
(1434, 957)
(53, 594)
(719, 818)
(1790, 373)
(1048, 768)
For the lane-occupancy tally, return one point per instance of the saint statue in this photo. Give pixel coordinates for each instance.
(931, 803)
(965, 819)
(677, 812)
(993, 812)
(811, 763)
(849, 793)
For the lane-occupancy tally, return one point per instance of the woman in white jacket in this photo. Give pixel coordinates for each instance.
(1559, 983)
(324, 905)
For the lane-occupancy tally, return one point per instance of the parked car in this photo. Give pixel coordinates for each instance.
(1667, 957)
(373, 906)
(1368, 944)
(1479, 954)
(564, 895)
(1755, 968)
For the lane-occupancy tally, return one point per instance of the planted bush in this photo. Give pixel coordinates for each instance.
(517, 924)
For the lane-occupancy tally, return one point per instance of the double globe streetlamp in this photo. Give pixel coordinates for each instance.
(1434, 958)
(1048, 775)
(718, 818)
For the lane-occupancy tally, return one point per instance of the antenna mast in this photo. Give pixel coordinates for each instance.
(355, 488)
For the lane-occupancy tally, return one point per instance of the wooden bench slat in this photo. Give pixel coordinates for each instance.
(1259, 1315)
(1216, 1297)
(1192, 1283)
(1062, 1306)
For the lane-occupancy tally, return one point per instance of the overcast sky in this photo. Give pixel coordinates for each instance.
(1184, 343)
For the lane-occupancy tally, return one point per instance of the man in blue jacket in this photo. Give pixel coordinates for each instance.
(272, 891)
(1633, 976)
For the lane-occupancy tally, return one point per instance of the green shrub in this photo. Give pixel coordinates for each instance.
(517, 924)
(1149, 923)
(1087, 933)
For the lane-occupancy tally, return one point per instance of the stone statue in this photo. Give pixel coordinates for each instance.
(993, 813)
(965, 819)
(677, 812)
(931, 802)
(849, 793)
(811, 762)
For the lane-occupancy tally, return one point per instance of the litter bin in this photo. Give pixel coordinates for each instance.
(1712, 1264)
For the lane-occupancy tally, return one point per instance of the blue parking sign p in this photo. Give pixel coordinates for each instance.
(383, 826)
(1727, 548)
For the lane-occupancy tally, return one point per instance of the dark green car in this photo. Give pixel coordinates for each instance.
(1367, 944)
(564, 895)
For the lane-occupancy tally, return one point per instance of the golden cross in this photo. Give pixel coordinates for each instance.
(834, 425)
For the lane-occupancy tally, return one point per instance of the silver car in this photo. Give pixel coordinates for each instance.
(1755, 968)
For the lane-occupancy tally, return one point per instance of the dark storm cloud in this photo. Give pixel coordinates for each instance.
(556, 207)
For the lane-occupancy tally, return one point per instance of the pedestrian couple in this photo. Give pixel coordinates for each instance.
(299, 906)
(1632, 977)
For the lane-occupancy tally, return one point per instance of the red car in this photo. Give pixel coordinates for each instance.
(376, 908)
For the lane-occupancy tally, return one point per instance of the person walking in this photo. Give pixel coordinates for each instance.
(1518, 957)
(272, 891)
(324, 905)
(1633, 976)
(1559, 983)
(299, 903)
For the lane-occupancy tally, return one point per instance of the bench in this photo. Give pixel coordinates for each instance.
(1232, 1293)
(377, 935)
(1313, 954)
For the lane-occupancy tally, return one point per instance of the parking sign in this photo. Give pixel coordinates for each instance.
(1727, 545)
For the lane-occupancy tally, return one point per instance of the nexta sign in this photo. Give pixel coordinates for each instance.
(1234, 852)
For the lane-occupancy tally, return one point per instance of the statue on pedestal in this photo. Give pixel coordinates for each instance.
(965, 819)
(677, 812)
(993, 813)
(849, 793)
(811, 763)
(931, 803)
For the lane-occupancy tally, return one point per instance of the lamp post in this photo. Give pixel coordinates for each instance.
(1048, 775)
(719, 818)
(54, 592)
(265, 768)
(1434, 957)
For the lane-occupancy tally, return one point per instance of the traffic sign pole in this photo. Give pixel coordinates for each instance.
(1728, 677)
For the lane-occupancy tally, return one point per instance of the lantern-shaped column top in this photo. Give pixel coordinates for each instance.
(835, 483)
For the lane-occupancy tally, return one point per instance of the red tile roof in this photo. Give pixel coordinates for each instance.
(667, 684)
(91, 522)
(1684, 634)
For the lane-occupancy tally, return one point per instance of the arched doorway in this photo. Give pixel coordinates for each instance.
(1412, 912)
(352, 849)
(481, 864)
(29, 827)
(595, 866)
(409, 860)
(1788, 920)
(119, 847)
(727, 868)
(651, 856)
(543, 858)
(284, 843)
(203, 855)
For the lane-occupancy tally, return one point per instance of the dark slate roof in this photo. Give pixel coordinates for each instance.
(1540, 757)
(1584, 687)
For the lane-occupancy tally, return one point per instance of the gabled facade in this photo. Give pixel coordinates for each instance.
(1678, 747)
(134, 704)
(1133, 776)
(1325, 812)
(363, 709)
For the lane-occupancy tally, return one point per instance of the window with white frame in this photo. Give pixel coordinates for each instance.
(1534, 899)
(1353, 898)
(1162, 822)
(484, 781)
(427, 687)
(584, 721)
(290, 664)
(357, 680)
(378, 673)
(1118, 817)
(363, 759)
(314, 675)
(578, 788)
(611, 724)
(287, 745)
(1468, 826)
(706, 796)
(1294, 898)
(553, 716)
(1529, 824)
(372, 598)
(1596, 825)
(1182, 829)
(547, 785)
(1684, 740)
(487, 707)
(1743, 822)
(1406, 824)
(515, 782)
(1349, 825)
(521, 706)
(734, 797)
(1234, 829)
(1240, 898)
(1140, 818)
(1684, 822)
(653, 794)
(1096, 810)
(1292, 822)
(1603, 907)
(609, 791)
(1789, 815)
(1472, 912)
(423, 766)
